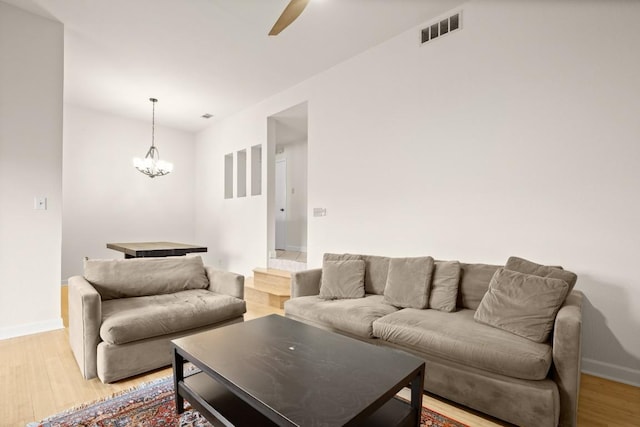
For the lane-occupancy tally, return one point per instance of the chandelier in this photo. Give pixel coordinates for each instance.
(151, 165)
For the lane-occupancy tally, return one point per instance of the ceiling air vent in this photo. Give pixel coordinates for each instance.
(442, 27)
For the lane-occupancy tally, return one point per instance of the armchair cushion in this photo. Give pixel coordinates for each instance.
(125, 278)
(131, 319)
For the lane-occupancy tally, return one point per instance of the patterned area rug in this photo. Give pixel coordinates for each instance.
(152, 404)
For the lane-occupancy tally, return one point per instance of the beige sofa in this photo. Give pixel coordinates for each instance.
(123, 313)
(484, 367)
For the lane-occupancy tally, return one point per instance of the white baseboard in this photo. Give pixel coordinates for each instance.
(296, 248)
(30, 328)
(612, 372)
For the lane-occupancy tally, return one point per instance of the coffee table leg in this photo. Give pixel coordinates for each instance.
(417, 386)
(178, 376)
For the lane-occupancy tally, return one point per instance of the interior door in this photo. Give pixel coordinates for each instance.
(281, 204)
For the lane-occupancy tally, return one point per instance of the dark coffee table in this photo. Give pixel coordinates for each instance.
(277, 371)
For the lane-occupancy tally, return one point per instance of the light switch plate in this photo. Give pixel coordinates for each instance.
(319, 212)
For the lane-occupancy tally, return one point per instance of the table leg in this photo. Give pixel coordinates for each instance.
(417, 386)
(178, 376)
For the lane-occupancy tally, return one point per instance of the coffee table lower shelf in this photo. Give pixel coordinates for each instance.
(223, 408)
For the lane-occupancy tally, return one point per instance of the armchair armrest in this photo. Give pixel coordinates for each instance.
(85, 318)
(225, 282)
(567, 352)
(306, 283)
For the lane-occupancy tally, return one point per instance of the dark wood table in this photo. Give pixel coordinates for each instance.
(154, 249)
(277, 371)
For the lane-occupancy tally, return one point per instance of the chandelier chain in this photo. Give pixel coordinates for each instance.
(153, 121)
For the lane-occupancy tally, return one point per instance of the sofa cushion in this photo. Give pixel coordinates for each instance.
(131, 319)
(522, 265)
(457, 337)
(474, 283)
(125, 278)
(444, 286)
(523, 304)
(353, 316)
(376, 268)
(339, 257)
(375, 275)
(408, 282)
(342, 279)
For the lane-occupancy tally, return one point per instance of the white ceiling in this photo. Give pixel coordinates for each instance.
(211, 56)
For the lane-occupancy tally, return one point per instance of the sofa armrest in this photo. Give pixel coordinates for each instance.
(85, 318)
(306, 283)
(225, 282)
(567, 354)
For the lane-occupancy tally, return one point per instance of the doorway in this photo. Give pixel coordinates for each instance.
(287, 209)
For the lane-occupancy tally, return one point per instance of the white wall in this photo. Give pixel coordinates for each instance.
(31, 75)
(517, 135)
(233, 229)
(107, 200)
(296, 157)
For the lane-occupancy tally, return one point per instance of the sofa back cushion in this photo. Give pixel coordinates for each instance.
(522, 265)
(376, 272)
(340, 257)
(474, 283)
(443, 294)
(124, 278)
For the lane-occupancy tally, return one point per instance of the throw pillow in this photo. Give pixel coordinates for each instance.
(522, 265)
(408, 282)
(523, 304)
(342, 279)
(444, 287)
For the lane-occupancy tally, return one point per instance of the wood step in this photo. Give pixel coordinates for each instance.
(269, 295)
(275, 289)
(280, 279)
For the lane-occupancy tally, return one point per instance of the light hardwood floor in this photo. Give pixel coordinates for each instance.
(39, 377)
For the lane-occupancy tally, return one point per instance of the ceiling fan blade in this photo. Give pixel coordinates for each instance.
(290, 13)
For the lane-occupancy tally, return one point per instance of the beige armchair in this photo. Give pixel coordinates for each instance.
(124, 313)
